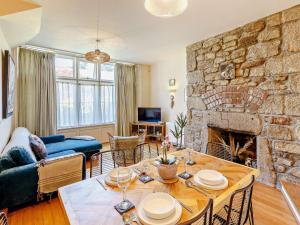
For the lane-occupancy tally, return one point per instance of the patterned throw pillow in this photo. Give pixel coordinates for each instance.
(38, 147)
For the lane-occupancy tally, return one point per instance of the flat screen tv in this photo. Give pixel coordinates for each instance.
(149, 114)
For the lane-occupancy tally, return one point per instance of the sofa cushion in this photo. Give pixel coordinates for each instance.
(6, 162)
(58, 154)
(53, 138)
(20, 138)
(76, 145)
(38, 147)
(20, 156)
(5, 132)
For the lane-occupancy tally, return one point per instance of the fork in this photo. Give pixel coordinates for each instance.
(134, 218)
(182, 204)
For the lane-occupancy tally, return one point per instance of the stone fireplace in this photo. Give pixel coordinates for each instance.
(245, 83)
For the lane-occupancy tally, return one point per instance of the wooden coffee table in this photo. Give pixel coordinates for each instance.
(87, 203)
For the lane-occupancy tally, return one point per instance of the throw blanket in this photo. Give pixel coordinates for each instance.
(85, 138)
(57, 172)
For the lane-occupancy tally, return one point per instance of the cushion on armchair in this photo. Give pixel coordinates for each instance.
(20, 156)
(38, 147)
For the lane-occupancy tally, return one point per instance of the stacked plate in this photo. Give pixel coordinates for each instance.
(211, 179)
(112, 177)
(159, 209)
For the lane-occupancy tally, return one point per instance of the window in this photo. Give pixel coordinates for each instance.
(85, 92)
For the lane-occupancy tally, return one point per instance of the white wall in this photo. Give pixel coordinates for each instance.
(161, 72)
(3, 46)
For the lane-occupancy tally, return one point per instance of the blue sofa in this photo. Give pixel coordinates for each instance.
(19, 185)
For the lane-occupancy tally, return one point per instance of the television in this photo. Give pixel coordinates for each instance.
(149, 114)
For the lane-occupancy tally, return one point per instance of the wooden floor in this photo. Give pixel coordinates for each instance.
(269, 205)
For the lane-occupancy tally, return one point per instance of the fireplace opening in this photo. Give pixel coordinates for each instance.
(241, 145)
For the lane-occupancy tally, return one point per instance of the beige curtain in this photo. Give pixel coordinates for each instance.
(126, 97)
(36, 96)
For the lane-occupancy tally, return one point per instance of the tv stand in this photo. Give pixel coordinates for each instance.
(154, 130)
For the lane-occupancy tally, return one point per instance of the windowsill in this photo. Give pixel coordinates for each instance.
(86, 126)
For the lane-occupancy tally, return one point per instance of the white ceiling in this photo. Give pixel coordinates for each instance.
(132, 34)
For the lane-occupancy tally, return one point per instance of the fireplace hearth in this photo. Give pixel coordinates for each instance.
(242, 145)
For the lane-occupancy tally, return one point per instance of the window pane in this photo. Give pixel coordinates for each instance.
(108, 104)
(87, 70)
(107, 72)
(64, 67)
(66, 105)
(89, 104)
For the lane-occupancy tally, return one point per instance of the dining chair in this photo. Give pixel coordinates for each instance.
(204, 217)
(103, 161)
(3, 219)
(239, 210)
(219, 150)
(130, 146)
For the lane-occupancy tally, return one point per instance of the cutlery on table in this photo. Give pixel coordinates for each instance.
(126, 218)
(190, 184)
(183, 205)
(134, 218)
(101, 183)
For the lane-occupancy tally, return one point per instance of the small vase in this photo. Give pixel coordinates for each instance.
(166, 171)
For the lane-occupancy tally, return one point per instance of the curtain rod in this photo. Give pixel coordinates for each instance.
(68, 53)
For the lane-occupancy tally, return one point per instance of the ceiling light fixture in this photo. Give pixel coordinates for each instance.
(97, 56)
(166, 8)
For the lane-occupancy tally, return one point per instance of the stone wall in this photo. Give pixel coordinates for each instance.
(249, 79)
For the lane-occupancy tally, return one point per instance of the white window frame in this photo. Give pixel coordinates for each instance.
(78, 81)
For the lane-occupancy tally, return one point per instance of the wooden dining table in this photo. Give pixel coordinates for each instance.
(88, 203)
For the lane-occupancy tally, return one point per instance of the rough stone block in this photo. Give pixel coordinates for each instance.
(216, 47)
(274, 104)
(195, 77)
(274, 20)
(292, 105)
(210, 42)
(195, 90)
(238, 53)
(286, 146)
(265, 161)
(280, 120)
(254, 26)
(263, 50)
(247, 40)
(211, 77)
(239, 81)
(295, 83)
(252, 63)
(210, 55)
(291, 36)
(229, 44)
(258, 71)
(274, 66)
(268, 34)
(291, 14)
(273, 85)
(191, 61)
(245, 122)
(220, 60)
(291, 63)
(279, 132)
(295, 171)
(284, 161)
(227, 71)
(230, 37)
(195, 103)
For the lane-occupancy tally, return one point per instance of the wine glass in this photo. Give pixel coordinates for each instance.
(123, 180)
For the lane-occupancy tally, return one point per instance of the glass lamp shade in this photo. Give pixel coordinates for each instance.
(97, 56)
(166, 8)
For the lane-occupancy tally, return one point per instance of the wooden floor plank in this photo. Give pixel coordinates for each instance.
(269, 205)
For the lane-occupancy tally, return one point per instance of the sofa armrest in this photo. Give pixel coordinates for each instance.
(18, 185)
(53, 138)
(60, 171)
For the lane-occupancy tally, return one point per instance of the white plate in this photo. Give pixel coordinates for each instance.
(158, 205)
(113, 174)
(211, 187)
(210, 177)
(171, 220)
(110, 182)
